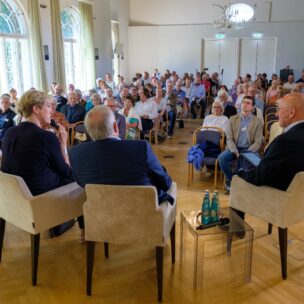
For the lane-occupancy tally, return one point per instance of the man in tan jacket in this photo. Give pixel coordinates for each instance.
(244, 132)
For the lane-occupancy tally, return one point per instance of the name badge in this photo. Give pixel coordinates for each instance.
(244, 129)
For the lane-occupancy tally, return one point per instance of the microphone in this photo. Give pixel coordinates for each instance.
(54, 124)
(221, 222)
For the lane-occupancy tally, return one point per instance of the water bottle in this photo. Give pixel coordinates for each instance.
(206, 208)
(218, 203)
(214, 208)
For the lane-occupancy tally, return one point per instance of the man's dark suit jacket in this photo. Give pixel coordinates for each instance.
(283, 159)
(119, 162)
(61, 101)
(73, 114)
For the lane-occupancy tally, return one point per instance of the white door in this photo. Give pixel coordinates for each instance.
(258, 56)
(222, 56)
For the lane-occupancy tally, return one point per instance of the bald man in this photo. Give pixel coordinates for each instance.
(284, 157)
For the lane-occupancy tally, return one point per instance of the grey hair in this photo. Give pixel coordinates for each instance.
(221, 93)
(216, 101)
(5, 96)
(99, 122)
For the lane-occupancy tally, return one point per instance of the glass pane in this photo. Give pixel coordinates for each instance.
(70, 22)
(77, 68)
(10, 18)
(9, 63)
(68, 56)
(26, 74)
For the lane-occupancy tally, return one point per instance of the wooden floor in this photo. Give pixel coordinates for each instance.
(129, 275)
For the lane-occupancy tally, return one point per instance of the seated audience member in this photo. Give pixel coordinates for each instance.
(37, 155)
(181, 95)
(301, 79)
(290, 84)
(52, 88)
(243, 91)
(206, 82)
(124, 93)
(233, 92)
(146, 109)
(102, 161)
(271, 95)
(283, 158)
(61, 100)
(120, 119)
(161, 103)
(146, 79)
(98, 83)
(252, 91)
(216, 119)
(171, 100)
(73, 111)
(70, 89)
(197, 94)
(229, 108)
(89, 104)
(215, 83)
(244, 132)
(6, 115)
(101, 90)
(133, 121)
(134, 93)
(109, 81)
(80, 98)
(187, 87)
(14, 98)
(57, 118)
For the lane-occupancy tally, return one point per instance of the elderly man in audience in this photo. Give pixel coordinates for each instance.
(244, 132)
(197, 95)
(146, 109)
(61, 100)
(94, 100)
(102, 161)
(146, 78)
(6, 115)
(242, 91)
(283, 158)
(109, 81)
(233, 91)
(73, 111)
(123, 94)
(120, 119)
(133, 121)
(171, 100)
(290, 84)
(252, 91)
(181, 95)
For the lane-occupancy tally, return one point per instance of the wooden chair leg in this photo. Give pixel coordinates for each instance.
(159, 272)
(2, 230)
(172, 238)
(215, 174)
(283, 233)
(106, 249)
(35, 242)
(90, 263)
(269, 228)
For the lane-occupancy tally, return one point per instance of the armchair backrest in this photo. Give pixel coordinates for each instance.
(15, 206)
(213, 134)
(123, 215)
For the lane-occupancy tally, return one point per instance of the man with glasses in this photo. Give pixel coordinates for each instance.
(244, 132)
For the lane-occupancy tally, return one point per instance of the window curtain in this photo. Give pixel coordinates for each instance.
(58, 53)
(38, 67)
(87, 44)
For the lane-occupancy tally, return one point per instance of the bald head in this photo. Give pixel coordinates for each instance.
(291, 109)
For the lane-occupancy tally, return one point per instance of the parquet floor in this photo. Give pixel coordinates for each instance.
(129, 275)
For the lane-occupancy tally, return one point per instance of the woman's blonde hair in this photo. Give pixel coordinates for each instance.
(30, 99)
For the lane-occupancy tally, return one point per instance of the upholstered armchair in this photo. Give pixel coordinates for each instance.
(280, 208)
(128, 215)
(35, 214)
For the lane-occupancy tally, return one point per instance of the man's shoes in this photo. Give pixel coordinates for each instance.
(170, 136)
(208, 174)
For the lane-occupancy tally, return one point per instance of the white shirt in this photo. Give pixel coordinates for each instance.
(289, 86)
(160, 106)
(216, 121)
(131, 114)
(149, 107)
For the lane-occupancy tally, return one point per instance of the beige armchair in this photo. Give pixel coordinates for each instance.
(128, 215)
(35, 214)
(280, 208)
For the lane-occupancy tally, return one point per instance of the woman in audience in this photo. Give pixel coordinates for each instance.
(223, 98)
(90, 103)
(14, 98)
(38, 156)
(271, 95)
(57, 118)
(242, 91)
(216, 119)
(133, 121)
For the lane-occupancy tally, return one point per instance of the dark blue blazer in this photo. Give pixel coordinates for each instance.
(6, 122)
(73, 114)
(119, 162)
(282, 160)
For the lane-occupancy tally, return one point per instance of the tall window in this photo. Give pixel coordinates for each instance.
(14, 49)
(70, 21)
(116, 51)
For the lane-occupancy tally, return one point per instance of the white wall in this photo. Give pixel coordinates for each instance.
(103, 11)
(178, 47)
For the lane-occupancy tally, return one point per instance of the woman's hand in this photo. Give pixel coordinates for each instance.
(62, 135)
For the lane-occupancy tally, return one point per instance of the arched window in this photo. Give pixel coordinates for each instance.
(70, 22)
(14, 48)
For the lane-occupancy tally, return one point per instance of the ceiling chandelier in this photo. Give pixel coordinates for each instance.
(234, 16)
